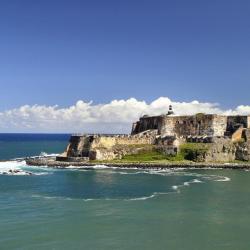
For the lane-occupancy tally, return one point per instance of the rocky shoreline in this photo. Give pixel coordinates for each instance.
(51, 162)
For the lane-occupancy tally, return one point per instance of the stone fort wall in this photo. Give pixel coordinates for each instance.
(166, 132)
(196, 125)
(81, 146)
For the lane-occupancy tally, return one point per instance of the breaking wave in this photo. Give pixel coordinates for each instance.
(19, 168)
(100, 167)
(44, 154)
(12, 168)
(224, 178)
(155, 194)
(41, 155)
(142, 198)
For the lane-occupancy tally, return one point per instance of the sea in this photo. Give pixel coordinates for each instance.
(105, 208)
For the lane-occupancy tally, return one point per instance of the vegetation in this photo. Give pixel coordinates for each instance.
(193, 151)
(199, 116)
(154, 155)
(144, 156)
(187, 152)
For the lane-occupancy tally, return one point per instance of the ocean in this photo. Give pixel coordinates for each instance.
(110, 208)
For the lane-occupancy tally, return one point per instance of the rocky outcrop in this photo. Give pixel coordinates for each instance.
(243, 151)
(243, 147)
(221, 150)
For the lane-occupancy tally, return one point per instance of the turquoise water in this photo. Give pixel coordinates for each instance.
(106, 208)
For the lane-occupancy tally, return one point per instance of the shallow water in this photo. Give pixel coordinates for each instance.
(110, 208)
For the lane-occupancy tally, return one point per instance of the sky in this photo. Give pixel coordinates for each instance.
(57, 56)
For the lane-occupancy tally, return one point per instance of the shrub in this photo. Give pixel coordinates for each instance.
(199, 116)
(193, 151)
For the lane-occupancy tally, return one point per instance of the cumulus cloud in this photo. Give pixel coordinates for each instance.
(113, 117)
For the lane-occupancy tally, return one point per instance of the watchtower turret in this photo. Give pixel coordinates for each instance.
(170, 110)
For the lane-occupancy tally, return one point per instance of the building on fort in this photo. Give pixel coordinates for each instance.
(199, 125)
(167, 132)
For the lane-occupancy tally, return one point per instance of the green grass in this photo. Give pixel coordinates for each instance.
(148, 156)
(145, 156)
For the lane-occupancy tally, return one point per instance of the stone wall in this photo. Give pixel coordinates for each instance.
(78, 146)
(234, 122)
(246, 135)
(146, 123)
(109, 142)
(167, 126)
(238, 135)
(219, 125)
(243, 148)
(196, 125)
(102, 147)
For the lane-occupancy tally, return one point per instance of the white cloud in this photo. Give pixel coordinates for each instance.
(113, 117)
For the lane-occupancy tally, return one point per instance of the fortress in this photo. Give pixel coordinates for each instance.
(196, 126)
(228, 138)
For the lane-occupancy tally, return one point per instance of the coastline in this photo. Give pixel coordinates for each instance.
(51, 162)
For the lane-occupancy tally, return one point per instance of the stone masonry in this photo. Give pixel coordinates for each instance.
(169, 131)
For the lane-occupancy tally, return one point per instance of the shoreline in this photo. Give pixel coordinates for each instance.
(50, 162)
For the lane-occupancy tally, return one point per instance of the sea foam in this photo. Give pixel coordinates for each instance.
(20, 168)
(12, 167)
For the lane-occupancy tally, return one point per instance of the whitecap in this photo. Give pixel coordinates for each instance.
(12, 168)
(44, 154)
(100, 167)
(46, 197)
(21, 168)
(187, 183)
(196, 181)
(89, 199)
(224, 178)
(217, 178)
(142, 198)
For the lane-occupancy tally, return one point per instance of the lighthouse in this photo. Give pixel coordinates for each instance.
(170, 110)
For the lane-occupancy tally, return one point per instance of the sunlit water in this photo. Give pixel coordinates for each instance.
(109, 208)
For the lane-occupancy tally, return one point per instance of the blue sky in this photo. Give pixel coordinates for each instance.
(58, 52)
(61, 51)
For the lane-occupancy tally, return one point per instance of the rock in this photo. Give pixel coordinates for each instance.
(243, 151)
(221, 150)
